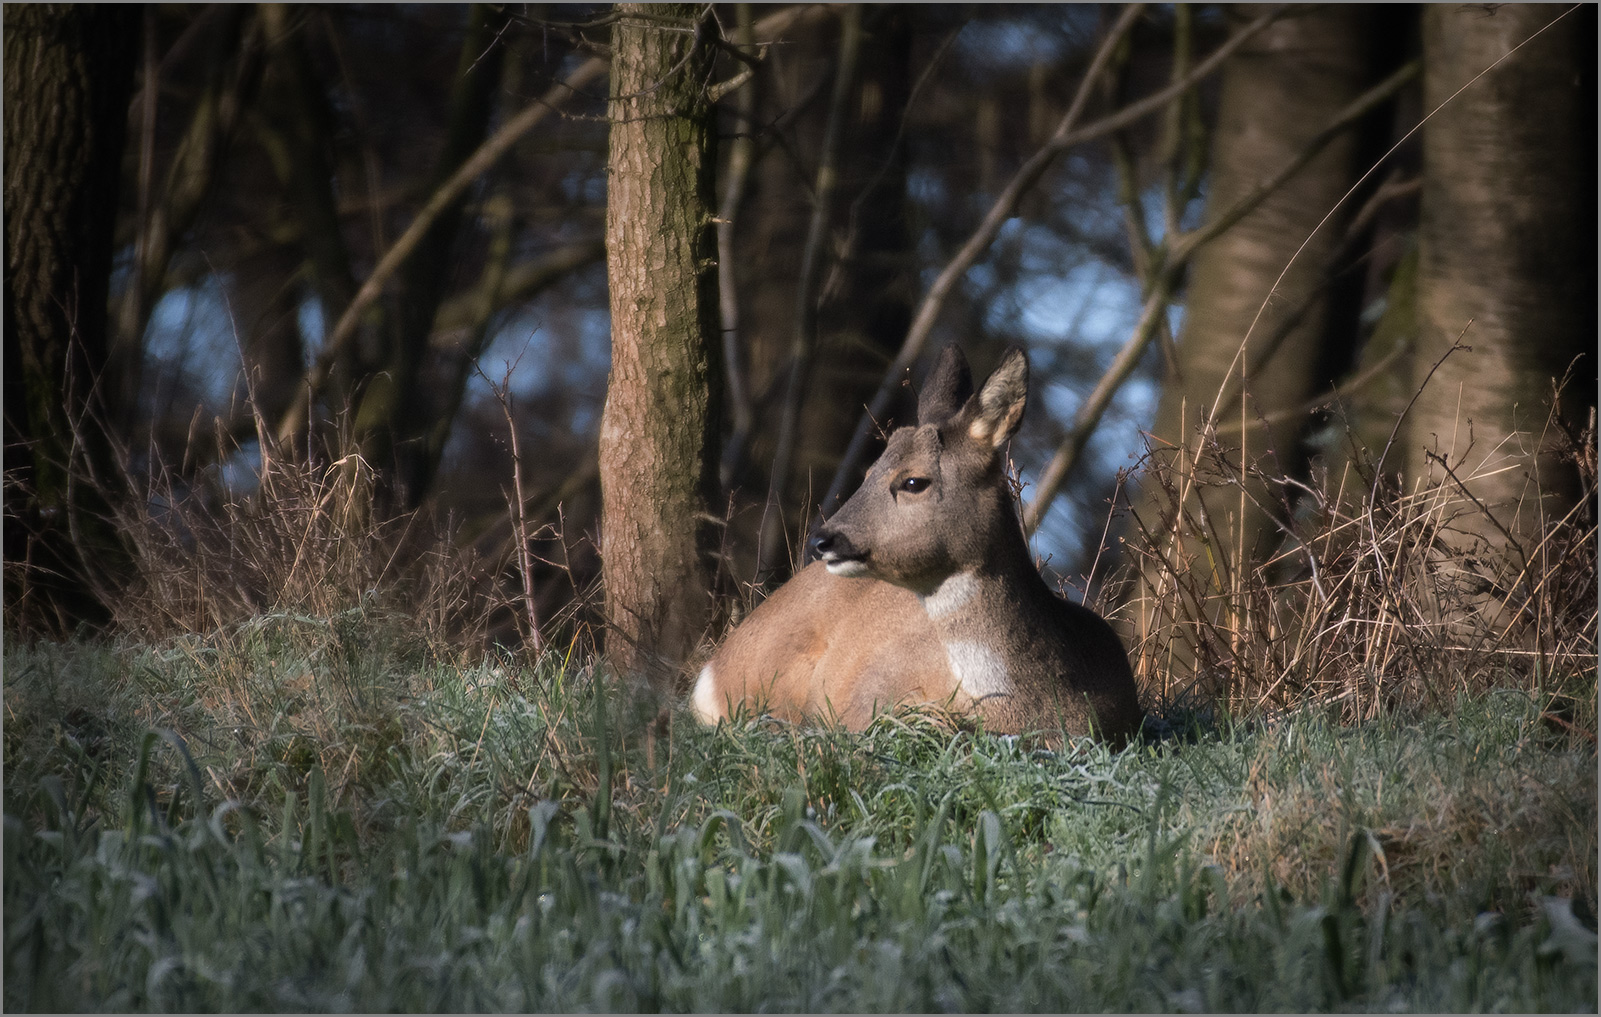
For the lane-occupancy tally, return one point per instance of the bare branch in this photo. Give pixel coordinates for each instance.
(1363, 104)
(490, 152)
(1089, 414)
(520, 283)
(486, 156)
(231, 78)
(1151, 323)
(1006, 203)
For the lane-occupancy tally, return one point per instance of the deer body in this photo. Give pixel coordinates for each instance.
(926, 593)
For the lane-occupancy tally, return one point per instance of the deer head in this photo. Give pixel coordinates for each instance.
(936, 502)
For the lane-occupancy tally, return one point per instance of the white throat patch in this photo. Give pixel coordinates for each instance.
(955, 591)
(978, 669)
(850, 568)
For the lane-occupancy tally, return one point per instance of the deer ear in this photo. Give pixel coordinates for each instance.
(1000, 401)
(948, 386)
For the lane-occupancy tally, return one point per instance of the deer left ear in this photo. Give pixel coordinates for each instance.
(949, 385)
(1000, 402)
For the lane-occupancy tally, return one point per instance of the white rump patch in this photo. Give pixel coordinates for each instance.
(954, 592)
(705, 701)
(978, 669)
(850, 568)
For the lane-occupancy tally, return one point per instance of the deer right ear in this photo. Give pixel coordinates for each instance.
(948, 387)
(1001, 401)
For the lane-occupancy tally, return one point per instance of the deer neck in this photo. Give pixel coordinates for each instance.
(981, 616)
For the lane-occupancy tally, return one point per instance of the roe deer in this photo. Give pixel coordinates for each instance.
(925, 593)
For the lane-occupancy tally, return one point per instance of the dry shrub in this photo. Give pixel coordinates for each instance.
(309, 539)
(1377, 597)
(201, 536)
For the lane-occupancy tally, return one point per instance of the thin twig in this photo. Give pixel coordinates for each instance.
(517, 500)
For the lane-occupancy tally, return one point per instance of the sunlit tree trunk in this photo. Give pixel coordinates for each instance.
(68, 78)
(1507, 242)
(658, 462)
(1278, 92)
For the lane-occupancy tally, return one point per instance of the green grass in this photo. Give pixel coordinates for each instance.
(307, 814)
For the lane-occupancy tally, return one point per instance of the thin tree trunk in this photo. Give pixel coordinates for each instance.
(658, 461)
(68, 80)
(866, 300)
(741, 157)
(863, 281)
(296, 127)
(773, 547)
(396, 413)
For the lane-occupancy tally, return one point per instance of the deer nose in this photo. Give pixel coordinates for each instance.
(830, 544)
(821, 543)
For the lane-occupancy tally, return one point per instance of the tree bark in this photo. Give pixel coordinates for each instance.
(1507, 242)
(68, 80)
(658, 461)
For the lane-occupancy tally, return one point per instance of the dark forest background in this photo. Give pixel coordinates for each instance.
(287, 284)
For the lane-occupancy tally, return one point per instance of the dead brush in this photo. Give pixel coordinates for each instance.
(307, 540)
(1376, 597)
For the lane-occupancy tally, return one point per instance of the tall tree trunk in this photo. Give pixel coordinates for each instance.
(1507, 242)
(658, 436)
(1278, 92)
(68, 80)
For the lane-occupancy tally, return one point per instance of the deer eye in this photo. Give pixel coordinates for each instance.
(915, 485)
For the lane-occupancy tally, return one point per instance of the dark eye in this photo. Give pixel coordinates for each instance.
(915, 485)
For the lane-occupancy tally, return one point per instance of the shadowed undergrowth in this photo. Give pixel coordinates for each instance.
(307, 814)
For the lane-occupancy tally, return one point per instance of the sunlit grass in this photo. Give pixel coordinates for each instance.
(308, 814)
